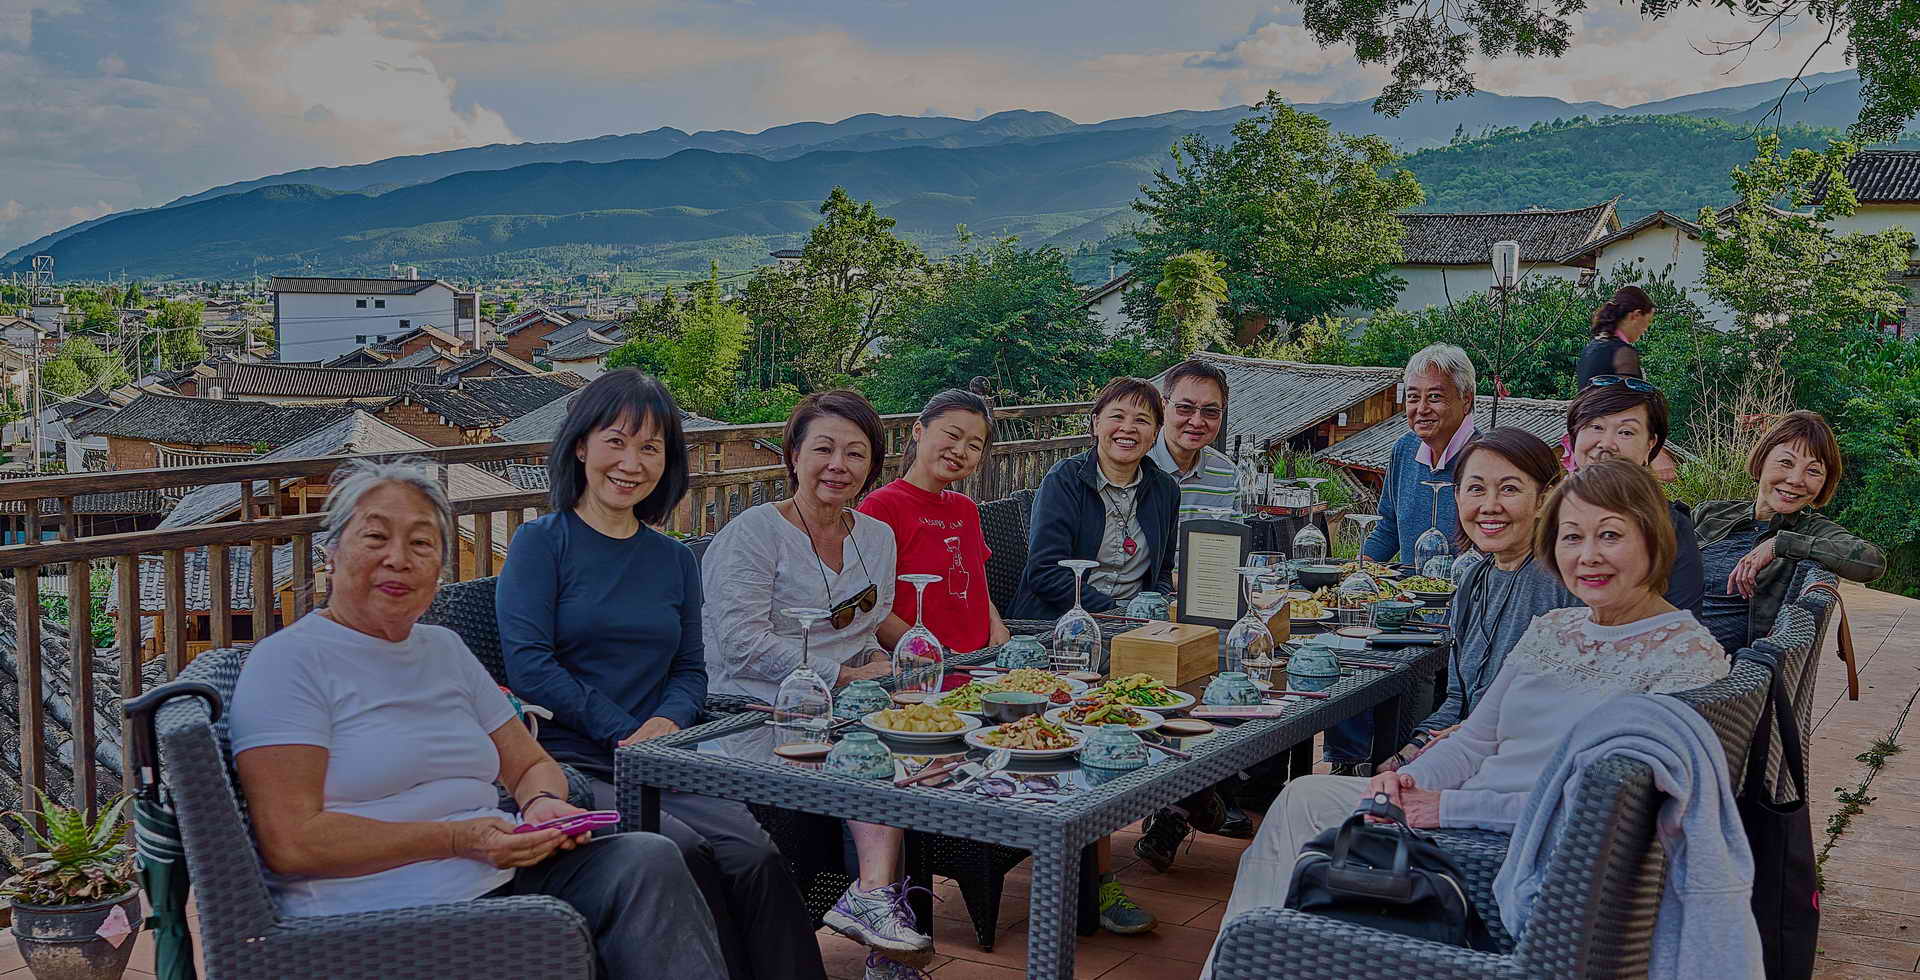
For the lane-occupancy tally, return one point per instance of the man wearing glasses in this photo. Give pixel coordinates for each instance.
(1196, 394)
(1196, 405)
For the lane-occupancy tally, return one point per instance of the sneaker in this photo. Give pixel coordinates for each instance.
(1118, 914)
(1352, 768)
(1160, 844)
(1206, 810)
(881, 968)
(882, 920)
(1237, 825)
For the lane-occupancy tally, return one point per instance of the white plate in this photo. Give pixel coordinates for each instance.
(1323, 617)
(968, 724)
(1186, 701)
(977, 739)
(1152, 720)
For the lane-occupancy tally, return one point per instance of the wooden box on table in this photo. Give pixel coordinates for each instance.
(1172, 652)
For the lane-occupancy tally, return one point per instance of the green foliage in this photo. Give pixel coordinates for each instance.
(63, 377)
(1429, 47)
(77, 859)
(1191, 293)
(92, 365)
(650, 353)
(748, 405)
(100, 622)
(174, 337)
(703, 357)
(1008, 314)
(819, 320)
(1303, 216)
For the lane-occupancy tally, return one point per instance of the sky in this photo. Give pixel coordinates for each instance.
(111, 104)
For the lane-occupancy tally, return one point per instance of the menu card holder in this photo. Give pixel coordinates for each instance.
(1211, 551)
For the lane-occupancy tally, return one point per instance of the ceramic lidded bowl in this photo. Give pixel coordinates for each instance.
(1233, 688)
(1149, 605)
(861, 754)
(860, 699)
(1393, 613)
(1007, 707)
(1023, 651)
(1113, 748)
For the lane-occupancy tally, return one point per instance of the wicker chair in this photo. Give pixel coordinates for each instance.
(1004, 524)
(1595, 913)
(243, 936)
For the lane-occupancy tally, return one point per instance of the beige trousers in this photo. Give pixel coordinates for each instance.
(1309, 805)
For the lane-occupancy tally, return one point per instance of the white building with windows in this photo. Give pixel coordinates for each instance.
(317, 319)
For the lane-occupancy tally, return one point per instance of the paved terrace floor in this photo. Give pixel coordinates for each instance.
(1870, 921)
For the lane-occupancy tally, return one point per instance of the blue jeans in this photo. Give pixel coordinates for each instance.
(1350, 741)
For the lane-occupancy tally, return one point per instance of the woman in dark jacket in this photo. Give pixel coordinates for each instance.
(1749, 547)
(1616, 325)
(1111, 505)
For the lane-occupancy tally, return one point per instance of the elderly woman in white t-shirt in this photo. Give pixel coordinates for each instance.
(368, 747)
(812, 550)
(1607, 535)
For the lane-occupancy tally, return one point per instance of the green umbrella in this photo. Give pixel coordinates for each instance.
(162, 856)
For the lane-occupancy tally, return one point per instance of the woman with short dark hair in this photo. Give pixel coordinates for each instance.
(600, 623)
(1110, 504)
(1626, 418)
(1749, 547)
(814, 550)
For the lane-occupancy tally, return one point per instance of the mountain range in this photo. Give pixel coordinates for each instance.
(674, 199)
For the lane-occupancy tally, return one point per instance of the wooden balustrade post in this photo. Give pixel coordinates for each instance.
(80, 651)
(303, 588)
(126, 638)
(219, 597)
(264, 620)
(174, 619)
(515, 517)
(482, 545)
(29, 668)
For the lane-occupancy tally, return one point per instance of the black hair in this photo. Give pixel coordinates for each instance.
(616, 395)
(950, 400)
(1600, 401)
(1626, 299)
(839, 403)
(1194, 368)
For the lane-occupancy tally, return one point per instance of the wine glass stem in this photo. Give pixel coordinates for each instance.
(1078, 573)
(919, 602)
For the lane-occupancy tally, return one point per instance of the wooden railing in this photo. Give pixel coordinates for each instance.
(82, 707)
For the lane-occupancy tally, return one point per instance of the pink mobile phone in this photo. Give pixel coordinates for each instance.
(575, 823)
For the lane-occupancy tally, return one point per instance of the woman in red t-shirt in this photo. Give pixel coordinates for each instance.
(937, 530)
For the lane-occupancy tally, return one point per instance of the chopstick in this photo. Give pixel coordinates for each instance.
(767, 709)
(1170, 750)
(1368, 665)
(930, 773)
(1315, 695)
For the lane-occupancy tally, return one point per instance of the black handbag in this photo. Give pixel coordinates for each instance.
(1786, 895)
(1386, 876)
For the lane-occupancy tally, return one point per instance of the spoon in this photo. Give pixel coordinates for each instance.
(994, 762)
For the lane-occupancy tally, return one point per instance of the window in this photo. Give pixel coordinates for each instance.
(463, 307)
(360, 338)
(383, 337)
(379, 304)
(360, 304)
(406, 324)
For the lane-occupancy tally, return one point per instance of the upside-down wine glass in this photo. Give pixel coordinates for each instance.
(1309, 543)
(918, 658)
(1076, 637)
(1433, 549)
(803, 708)
(1250, 643)
(1366, 522)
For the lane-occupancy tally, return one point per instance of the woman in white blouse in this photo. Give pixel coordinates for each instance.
(814, 550)
(1606, 534)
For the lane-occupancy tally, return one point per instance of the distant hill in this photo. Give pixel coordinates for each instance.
(1033, 174)
(1427, 124)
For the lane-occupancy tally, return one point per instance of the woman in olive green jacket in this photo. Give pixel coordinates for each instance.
(1749, 548)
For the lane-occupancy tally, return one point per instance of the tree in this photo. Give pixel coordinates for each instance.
(1790, 281)
(173, 337)
(1011, 315)
(821, 318)
(702, 360)
(1304, 217)
(99, 368)
(1190, 293)
(1428, 46)
(63, 377)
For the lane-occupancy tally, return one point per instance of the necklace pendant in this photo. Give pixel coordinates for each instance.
(1129, 546)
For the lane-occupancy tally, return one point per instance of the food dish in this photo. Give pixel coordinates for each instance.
(966, 697)
(1038, 682)
(921, 723)
(1096, 712)
(1145, 691)
(1033, 737)
(1369, 567)
(1307, 609)
(1425, 585)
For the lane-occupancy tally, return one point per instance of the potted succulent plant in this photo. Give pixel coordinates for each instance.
(76, 898)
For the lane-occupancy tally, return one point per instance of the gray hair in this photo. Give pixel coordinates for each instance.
(354, 480)
(1448, 360)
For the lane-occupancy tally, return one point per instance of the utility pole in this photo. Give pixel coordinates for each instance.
(39, 351)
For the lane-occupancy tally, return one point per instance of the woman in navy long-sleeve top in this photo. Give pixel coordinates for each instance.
(600, 624)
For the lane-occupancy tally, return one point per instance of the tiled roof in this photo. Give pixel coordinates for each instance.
(528, 476)
(587, 346)
(543, 423)
(485, 403)
(120, 502)
(199, 593)
(428, 356)
(79, 404)
(526, 318)
(289, 381)
(436, 334)
(1372, 448)
(1885, 176)
(1666, 218)
(1098, 293)
(1467, 239)
(357, 433)
(360, 357)
(1273, 401)
(492, 355)
(182, 421)
(350, 287)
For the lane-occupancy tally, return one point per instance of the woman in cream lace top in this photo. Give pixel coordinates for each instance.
(1606, 535)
